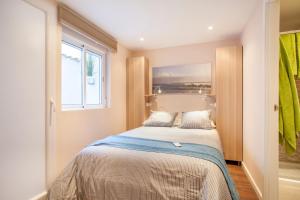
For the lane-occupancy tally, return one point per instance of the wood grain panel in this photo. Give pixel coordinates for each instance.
(72, 19)
(229, 100)
(137, 89)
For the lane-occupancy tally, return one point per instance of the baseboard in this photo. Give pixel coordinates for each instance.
(254, 185)
(41, 196)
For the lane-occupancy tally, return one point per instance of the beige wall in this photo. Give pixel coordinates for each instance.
(76, 129)
(188, 54)
(254, 96)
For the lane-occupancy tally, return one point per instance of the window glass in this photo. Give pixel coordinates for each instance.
(93, 78)
(71, 74)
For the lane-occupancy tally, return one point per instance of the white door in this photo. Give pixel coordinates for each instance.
(271, 51)
(22, 100)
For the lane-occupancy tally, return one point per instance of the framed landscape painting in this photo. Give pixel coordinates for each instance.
(182, 79)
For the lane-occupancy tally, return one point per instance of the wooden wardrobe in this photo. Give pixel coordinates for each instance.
(137, 91)
(229, 98)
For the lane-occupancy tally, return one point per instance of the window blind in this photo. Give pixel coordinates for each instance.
(73, 20)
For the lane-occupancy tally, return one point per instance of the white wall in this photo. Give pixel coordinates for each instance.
(23, 97)
(254, 95)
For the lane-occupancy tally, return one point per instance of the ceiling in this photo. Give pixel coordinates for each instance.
(289, 15)
(166, 23)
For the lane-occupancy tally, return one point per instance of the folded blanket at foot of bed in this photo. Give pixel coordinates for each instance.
(122, 167)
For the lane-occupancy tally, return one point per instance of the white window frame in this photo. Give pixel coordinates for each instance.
(88, 46)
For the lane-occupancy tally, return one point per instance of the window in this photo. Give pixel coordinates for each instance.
(83, 70)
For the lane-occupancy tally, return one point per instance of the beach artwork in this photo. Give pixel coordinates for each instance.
(182, 79)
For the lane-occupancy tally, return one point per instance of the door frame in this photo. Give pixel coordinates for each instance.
(272, 33)
(49, 7)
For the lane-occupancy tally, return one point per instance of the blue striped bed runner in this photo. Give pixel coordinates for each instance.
(200, 151)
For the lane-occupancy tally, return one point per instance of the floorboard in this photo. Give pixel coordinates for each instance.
(242, 183)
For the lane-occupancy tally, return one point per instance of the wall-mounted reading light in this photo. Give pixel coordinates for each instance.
(159, 91)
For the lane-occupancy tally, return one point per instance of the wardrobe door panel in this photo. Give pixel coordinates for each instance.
(137, 89)
(229, 100)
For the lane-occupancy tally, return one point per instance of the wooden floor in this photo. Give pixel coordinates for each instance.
(242, 183)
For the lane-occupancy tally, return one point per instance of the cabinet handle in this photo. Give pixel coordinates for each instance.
(52, 110)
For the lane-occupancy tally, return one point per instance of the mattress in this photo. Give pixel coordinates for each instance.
(105, 172)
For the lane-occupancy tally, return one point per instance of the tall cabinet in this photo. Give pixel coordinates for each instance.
(229, 98)
(137, 91)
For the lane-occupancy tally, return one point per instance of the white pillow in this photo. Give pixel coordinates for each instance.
(197, 120)
(160, 119)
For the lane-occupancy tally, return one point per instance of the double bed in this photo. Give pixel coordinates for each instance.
(144, 163)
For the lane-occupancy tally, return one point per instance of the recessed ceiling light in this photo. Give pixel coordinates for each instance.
(142, 39)
(210, 28)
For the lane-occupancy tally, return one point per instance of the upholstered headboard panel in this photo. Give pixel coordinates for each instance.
(183, 103)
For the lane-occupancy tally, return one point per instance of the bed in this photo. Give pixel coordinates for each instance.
(144, 163)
